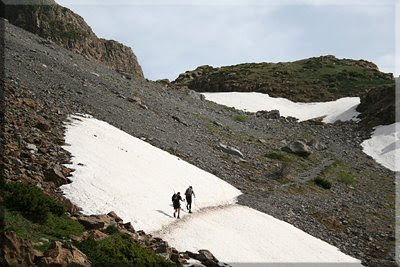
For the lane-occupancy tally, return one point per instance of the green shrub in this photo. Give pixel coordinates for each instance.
(111, 229)
(31, 202)
(241, 117)
(321, 182)
(347, 178)
(120, 250)
(55, 228)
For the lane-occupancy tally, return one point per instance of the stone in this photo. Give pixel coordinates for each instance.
(43, 125)
(180, 120)
(32, 148)
(174, 257)
(205, 255)
(113, 215)
(128, 226)
(273, 114)
(16, 251)
(317, 145)
(91, 222)
(230, 150)
(135, 99)
(97, 235)
(56, 176)
(64, 255)
(297, 147)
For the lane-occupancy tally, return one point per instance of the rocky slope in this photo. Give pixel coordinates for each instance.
(356, 214)
(67, 29)
(309, 80)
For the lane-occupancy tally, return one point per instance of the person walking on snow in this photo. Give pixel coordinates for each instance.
(188, 193)
(176, 198)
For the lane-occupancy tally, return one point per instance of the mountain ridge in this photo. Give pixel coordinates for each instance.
(66, 28)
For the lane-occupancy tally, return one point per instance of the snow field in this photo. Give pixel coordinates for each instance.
(115, 171)
(343, 109)
(384, 145)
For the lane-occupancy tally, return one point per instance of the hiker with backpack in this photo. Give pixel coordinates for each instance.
(188, 193)
(176, 198)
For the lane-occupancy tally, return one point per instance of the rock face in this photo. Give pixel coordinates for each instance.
(15, 251)
(60, 254)
(65, 28)
(378, 106)
(315, 79)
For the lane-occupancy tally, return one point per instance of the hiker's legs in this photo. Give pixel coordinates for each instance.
(179, 211)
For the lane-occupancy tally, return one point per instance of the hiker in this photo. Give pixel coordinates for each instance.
(176, 198)
(188, 193)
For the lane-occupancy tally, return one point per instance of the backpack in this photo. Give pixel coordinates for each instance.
(174, 197)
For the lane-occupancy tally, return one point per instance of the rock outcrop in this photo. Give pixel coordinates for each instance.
(67, 29)
(60, 254)
(315, 79)
(15, 251)
(378, 107)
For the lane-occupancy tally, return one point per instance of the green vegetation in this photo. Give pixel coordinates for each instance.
(321, 182)
(278, 155)
(346, 178)
(55, 228)
(31, 202)
(241, 117)
(341, 172)
(315, 79)
(120, 250)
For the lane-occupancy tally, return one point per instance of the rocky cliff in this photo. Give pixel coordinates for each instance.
(62, 26)
(309, 80)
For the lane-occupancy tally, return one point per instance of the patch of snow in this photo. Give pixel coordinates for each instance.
(237, 233)
(115, 171)
(384, 145)
(132, 177)
(343, 109)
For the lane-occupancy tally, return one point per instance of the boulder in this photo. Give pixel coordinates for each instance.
(128, 226)
(96, 221)
(97, 235)
(56, 176)
(113, 215)
(298, 147)
(15, 251)
(43, 125)
(64, 255)
(230, 150)
(317, 145)
(273, 114)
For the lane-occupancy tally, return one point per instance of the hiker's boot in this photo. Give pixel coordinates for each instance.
(174, 215)
(190, 211)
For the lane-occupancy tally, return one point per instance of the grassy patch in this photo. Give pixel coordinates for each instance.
(341, 172)
(120, 250)
(346, 178)
(278, 156)
(241, 117)
(55, 228)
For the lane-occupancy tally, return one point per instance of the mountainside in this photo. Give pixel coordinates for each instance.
(45, 83)
(62, 26)
(315, 79)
